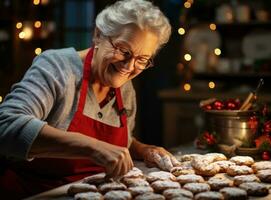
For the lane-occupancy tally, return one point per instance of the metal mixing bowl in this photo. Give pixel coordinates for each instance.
(232, 126)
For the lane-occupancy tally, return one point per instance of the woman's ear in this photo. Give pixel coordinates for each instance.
(96, 36)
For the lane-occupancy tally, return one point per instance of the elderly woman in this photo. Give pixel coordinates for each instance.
(73, 113)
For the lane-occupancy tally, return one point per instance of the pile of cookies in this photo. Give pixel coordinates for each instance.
(201, 177)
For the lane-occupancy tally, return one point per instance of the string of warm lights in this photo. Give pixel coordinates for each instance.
(188, 57)
(26, 29)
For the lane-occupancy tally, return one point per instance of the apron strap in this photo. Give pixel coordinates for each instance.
(86, 76)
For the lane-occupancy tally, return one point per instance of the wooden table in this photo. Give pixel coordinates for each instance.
(60, 193)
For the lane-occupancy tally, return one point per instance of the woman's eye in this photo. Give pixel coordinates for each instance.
(125, 52)
(143, 60)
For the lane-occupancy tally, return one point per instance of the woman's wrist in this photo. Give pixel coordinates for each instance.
(52, 142)
(138, 149)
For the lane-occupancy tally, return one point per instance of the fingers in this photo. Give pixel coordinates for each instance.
(167, 164)
(174, 161)
(120, 165)
(162, 158)
(163, 162)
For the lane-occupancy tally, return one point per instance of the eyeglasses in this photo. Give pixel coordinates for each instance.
(126, 55)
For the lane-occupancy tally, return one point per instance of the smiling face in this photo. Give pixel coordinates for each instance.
(108, 69)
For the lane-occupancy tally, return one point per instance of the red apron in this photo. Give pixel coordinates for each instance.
(45, 173)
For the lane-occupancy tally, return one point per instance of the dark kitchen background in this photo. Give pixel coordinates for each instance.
(218, 49)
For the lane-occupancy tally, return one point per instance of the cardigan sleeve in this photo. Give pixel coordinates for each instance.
(25, 108)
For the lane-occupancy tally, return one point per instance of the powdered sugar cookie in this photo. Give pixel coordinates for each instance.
(216, 183)
(209, 195)
(185, 165)
(255, 189)
(118, 195)
(197, 187)
(237, 180)
(239, 170)
(160, 175)
(88, 196)
(206, 169)
(150, 196)
(261, 165)
(205, 160)
(139, 190)
(233, 193)
(134, 182)
(203, 165)
(264, 175)
(181, 198)
(189, 157)
(177, 171)
(105, 187)
(190, 178)
(95, 179)
(216, 156)
(224, 165)
(160, 186)
(81, 187)
(134, 173)
(242, 160)
(174, 193)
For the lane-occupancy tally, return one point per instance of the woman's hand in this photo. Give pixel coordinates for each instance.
(115, 159)
(159, 157)
(55, 143)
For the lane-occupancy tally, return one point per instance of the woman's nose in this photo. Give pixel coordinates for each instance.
(129, 64)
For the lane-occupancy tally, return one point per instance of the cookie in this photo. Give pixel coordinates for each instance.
(237, 180)
(242, 160)
(181, 198)
(261, 165)
(88, 196)
(81, 187)
(233, 193)
(134, 182)
(264, 175)
(239, 170)
(189, 157)
(185, 165)
(255, 189)
(95, 179)
(224, 165)
(216, 156)
(189, 178)
(118, 195)
(177, 171)
(134, 173)
(207, 169)
(105, 187)
(150, 196)
(139, 190)
(160, 175)
(174, 193)
(160, 186)
(197, 187)
(205, 160)
(217, 183)
(210, 195)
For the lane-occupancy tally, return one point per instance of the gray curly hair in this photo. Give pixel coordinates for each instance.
(141, 13)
